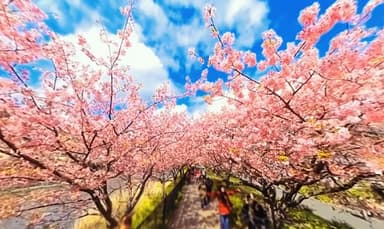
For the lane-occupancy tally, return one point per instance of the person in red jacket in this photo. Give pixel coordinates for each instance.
(224, 206)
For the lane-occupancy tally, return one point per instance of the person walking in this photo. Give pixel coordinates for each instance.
(261, 217)
(253, 214)
(209, 186)
(248, 213)
(197, 175)
(203, 195)
(224, 206)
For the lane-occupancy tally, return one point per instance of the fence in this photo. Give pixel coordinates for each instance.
(159, 218)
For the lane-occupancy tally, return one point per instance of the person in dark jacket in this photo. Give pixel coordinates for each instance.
(209, 186)
(260, 216)
(248, 214)
(203, 195)
(253, 214)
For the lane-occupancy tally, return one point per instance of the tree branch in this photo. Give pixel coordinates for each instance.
(53, 204)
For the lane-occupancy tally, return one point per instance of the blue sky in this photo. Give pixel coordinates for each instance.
(165, 29)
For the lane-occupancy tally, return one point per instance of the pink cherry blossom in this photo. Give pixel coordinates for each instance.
(306, 107)
(88, 125)
(209, 12)
(308, 16)
(250, 59)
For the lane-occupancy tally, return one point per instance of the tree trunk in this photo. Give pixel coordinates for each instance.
(278, 215)
(105, 209)
(272, 202)
(112, 222)
(227, 179)
(273, 216)
(126, 222)
(164, 203)
(175, 175)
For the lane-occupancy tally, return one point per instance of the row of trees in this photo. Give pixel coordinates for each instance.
(310, 120)
(85, 126)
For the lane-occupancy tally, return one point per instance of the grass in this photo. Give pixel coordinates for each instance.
(301, 218)
(155, 219)
(306, 190)
(237, 205)
(149, 202)
(151, 197)
(325, 199)
(232, 179)
(361, 191)
(90, 221)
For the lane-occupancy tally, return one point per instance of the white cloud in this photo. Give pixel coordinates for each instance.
(247, 17)
(189, 35)
(253, 11)
(169, 40)
(180, 108)
(202, 107)
(199, 106)
(242, 15)
(152, 9)
(145, 66)
(50, 7)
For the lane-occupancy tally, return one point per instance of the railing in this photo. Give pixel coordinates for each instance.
(160, 217)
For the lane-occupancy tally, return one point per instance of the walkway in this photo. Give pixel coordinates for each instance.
(189, 214)
(330, 212)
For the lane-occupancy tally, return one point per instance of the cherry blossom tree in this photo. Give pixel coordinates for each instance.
(310, 119)
(86, 127)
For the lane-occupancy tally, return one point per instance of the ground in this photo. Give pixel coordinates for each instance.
(189, 214)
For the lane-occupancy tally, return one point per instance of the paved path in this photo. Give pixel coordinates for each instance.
(189, 214)
(341, 214)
